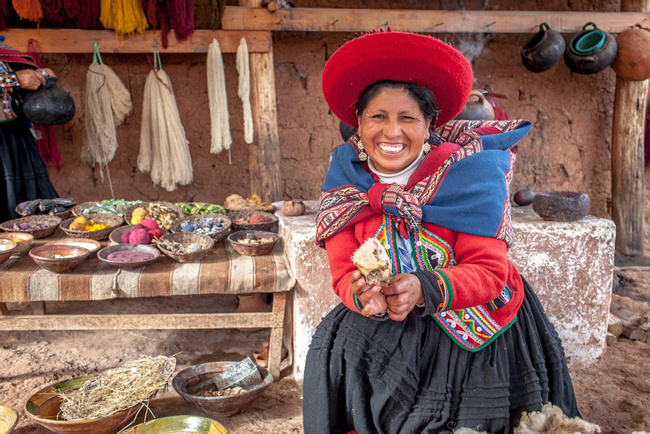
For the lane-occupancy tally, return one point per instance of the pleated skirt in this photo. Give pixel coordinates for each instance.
(410, 377)
(23, 174)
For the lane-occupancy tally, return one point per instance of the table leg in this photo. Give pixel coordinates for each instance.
(3, 309)
(277, 331)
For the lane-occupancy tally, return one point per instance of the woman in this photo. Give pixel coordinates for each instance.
(23, 174)
(456, 338)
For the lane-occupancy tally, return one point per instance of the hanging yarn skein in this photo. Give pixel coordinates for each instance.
(164, 149)
(219, 117)
(121, 102)
(100, 137)
(244, 89)
(124, 16)
(28, 9)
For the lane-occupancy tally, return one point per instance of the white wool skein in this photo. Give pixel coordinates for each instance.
(219, 117)
(244, 90)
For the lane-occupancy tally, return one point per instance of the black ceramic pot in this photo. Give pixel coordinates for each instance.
(562, 206)
(543, 50)
(49, 105)
(590, 50)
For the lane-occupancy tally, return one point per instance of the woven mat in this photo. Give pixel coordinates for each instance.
(222, 271)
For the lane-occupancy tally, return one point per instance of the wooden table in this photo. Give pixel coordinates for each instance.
(222, 271)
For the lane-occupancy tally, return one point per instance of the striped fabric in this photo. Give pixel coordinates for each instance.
(222, 271)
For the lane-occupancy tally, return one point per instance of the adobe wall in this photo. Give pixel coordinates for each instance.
(568, 148)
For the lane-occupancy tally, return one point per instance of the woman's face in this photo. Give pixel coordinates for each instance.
(393, 129)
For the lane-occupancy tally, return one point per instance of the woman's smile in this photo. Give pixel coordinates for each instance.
(391, 148)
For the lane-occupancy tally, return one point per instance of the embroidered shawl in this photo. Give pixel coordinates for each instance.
(462, 185)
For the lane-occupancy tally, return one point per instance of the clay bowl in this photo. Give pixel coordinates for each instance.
(44, 257)
(44, 406)
(8, 419)
(86, 243)
(106, 251)
(23, 240)
(7, 248)
(178, 424)
(115, 237)
(238, 242)
(561, 206)
(191, 381)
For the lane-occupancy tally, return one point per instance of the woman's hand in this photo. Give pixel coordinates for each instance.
(371, 298)
(402, 293)
(32, 79)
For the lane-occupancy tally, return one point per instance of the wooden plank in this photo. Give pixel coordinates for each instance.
(275, 341)
(3, 309)
(614, 325)
(425, 21)
(610, 339)
(264, 152)
(140, 322)
(82, 41)
(628, 163)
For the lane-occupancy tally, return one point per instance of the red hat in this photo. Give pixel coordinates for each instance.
(396, 56)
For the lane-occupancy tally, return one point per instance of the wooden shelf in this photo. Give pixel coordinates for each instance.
(82, 41)
(424, 21)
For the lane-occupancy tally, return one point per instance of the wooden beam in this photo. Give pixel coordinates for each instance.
(424, 21)
(264, 152)
(82, 41)
(628, 163)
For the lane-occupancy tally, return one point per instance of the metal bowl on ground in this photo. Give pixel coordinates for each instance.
(45, 405)
(7, 248)
(186, 239)
(562, 206)
(178, 424)
(247, 242)
(104, 254)
(86, 243)
(59, 258)
(23, 240)
(192, 381)
(8, 419)
(38, 226)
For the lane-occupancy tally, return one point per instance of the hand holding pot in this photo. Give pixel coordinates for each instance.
(32, 79)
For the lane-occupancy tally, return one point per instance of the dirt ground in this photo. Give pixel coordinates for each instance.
(615, 393)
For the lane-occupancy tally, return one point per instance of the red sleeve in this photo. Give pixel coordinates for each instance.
(340, 248)
(480, 275)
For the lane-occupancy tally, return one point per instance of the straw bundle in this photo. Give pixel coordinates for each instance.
(164, 150)
(117, 389)
(119, 95)
(100, 138)
(221, 138)
(244, 89)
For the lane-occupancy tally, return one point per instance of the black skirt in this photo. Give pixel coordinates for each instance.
(410, 377)
(23, 174)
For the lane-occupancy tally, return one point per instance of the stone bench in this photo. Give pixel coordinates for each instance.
(569, 265)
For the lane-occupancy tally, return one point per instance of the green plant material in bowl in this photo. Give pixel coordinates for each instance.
(45, 405)
(178, 424)
(8, 419)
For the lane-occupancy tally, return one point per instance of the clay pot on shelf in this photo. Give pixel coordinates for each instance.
(561, 206)
(632, 60)
(477, 108)
(543, 50)
(590, 50)
(49, 104)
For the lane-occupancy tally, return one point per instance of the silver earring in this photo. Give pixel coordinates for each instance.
(426, 147)
(362, 152)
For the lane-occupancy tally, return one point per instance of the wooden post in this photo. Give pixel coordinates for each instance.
(628, 208)
(264, 152)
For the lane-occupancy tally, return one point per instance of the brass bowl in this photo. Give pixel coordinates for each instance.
(44, 256)
(45, 405)
(178, 424)
(8, 419)
(190, 381)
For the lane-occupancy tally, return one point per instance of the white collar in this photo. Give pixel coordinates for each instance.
(400, 178)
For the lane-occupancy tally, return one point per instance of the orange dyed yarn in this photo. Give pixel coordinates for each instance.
(28, 9)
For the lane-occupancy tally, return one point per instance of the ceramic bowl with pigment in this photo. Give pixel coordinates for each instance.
(561, 206)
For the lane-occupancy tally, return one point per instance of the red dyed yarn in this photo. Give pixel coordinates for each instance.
(47, 145)
(181, 13)
(3, 13)
(89, 12)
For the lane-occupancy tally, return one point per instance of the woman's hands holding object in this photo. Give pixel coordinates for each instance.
(402, 293)
(32, 79)
(370, 297)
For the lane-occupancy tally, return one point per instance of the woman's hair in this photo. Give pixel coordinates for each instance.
(425, 98)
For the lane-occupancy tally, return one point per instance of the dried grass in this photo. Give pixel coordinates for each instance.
(117, 389)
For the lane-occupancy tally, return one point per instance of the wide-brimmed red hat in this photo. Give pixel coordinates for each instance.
(396, 56)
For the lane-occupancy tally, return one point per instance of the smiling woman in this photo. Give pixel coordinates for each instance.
(456, 330)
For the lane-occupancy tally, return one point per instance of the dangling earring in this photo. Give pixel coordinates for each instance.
(362, 152)
(426, 147)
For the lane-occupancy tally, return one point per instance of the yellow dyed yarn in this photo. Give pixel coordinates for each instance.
(124, 16)
(29, 9)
